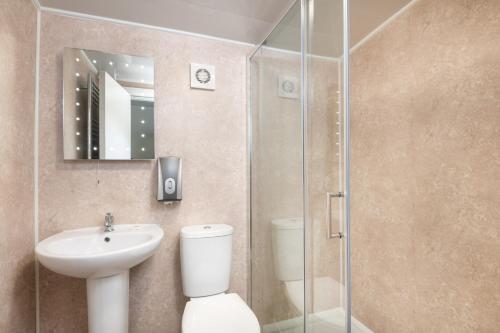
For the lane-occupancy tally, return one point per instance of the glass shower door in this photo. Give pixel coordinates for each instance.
(277, 223)
(298, 185)
(325, 188)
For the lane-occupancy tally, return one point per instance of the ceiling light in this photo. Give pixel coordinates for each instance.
(77, 148)
(94, 61)
(77, 89)
(142, 66)
(143, 135)
(111, 63)
(126, 65)
(78, 118)
(142, 81)
(95, 148)
(142, 107)
(142, 121)
(77, 103)
(143, 149)
(77, 74)
(77, 59)
(77, 133)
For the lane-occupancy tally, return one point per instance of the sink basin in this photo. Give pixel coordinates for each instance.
(92, 253)
(104, 259)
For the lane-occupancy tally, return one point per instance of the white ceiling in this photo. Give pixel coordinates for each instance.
(325, 27)
(241, 20)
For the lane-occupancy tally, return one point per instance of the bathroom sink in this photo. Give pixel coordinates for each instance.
(93, 253)
(104, 259)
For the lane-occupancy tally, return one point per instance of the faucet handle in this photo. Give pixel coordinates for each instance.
(109, 218)
(108, 222)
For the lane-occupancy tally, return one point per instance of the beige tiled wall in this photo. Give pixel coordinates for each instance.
(206, 128)
(426, 170)
(17, 102)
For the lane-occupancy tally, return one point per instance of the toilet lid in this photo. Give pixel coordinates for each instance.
(223, 313)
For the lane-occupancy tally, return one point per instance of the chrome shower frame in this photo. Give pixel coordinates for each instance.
(346, 235)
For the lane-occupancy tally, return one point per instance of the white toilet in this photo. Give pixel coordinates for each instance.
(288, 254)
(206, 267)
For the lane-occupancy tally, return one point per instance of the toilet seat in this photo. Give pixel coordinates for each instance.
(222, 313)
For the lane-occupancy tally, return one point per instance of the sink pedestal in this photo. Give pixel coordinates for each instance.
(107, 303)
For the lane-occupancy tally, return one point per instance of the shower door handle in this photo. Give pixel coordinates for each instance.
(329, 196)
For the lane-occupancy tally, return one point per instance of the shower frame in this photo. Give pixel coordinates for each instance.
(305, 16)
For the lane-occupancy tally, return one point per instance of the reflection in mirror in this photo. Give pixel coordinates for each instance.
(108, 106)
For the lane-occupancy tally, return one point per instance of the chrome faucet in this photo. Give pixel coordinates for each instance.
(109, 222)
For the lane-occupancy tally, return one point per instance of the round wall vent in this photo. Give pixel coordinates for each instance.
(202, 76)
(288, 86)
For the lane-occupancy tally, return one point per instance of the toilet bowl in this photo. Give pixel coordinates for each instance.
(206, 267)
(223, 313)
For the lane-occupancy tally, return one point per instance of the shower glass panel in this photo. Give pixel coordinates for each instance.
(299, 268)
(277, 226)
(326, 292)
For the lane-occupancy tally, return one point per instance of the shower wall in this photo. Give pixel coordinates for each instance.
(425, 105)
(17, 84)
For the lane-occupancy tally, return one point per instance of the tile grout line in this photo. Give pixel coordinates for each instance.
(383, 25)
(36, 167)
(297, 53)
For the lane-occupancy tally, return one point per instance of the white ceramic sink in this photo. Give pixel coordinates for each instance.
(104, 259)
(92, 253)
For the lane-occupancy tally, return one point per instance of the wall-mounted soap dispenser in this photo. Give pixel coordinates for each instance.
(169, 179)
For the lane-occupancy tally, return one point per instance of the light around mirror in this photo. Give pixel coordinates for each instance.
(108, 106)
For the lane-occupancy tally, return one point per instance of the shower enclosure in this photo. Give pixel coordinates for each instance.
(298, 134)
(425, 171)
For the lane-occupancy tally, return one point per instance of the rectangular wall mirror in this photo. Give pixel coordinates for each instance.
(108, 106)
